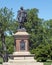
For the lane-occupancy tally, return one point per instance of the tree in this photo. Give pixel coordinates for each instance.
(40, 34)
(49, 30)
(42, 52)
(6, 19)
(34, 27)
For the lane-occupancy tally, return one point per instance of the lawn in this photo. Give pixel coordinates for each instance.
(48, 63)
(1, 60)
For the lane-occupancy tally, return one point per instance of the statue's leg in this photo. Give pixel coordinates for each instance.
(22, 24)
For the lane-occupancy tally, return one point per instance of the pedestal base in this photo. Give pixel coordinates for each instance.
(22, 58)
(23, 63)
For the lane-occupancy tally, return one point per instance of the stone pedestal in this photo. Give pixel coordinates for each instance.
(22, 56)
(21, 40)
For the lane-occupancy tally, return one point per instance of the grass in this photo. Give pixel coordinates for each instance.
(48, 63)
(1, 60)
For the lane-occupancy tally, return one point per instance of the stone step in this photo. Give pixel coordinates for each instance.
(21, 61)
(21, 53)
(36, 63)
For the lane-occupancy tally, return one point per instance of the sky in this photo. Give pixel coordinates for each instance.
(44, 6)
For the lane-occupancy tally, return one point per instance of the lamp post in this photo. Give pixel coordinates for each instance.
(5, 55)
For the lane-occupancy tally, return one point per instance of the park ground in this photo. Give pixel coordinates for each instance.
(48, 63)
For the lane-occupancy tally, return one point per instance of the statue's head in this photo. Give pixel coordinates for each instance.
(21, 8)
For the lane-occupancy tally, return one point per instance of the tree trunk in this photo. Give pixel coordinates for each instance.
(5, 55)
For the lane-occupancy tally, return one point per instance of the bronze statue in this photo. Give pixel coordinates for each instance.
(22, 17)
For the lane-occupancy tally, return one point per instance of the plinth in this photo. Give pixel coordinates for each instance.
(21, 55)
(21, 40)
(22, 45)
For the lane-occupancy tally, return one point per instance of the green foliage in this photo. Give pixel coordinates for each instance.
(9, 40)
(7, 20)
(41, 36)
(6, 17)
(10, 44)
(34, 27)
(43, 52)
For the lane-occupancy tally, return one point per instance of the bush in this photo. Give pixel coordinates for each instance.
(42, 52)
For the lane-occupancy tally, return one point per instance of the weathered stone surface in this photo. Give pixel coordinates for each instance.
(24, 63)
(23, 59)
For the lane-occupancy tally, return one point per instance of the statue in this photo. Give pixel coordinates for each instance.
(22, 17)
